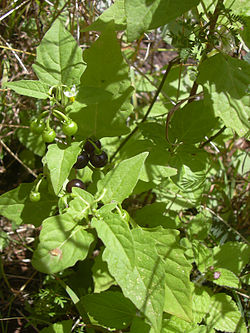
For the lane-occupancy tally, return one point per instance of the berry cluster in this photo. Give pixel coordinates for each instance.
(39, 126)
(91, 153)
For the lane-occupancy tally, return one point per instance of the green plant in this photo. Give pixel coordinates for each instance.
(160, 217)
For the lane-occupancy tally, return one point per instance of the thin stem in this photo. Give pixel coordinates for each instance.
(171, 63)
(212, 137)
(18, 159)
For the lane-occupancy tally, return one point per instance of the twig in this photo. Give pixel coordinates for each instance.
(18, 159)
(171, 63)
(212, 137)
(27, 320)
(12, 10)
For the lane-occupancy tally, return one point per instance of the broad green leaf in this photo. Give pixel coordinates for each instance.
(143, 15)
(59, 58)
(203, 255)
(153, 215)
(201, 303)
(224, 254)
(115, 234)
(155, 168)
(119, 183)
(191, 165)
(228, 91)
(178, 295)
(59, 327)
(101, 276)
(110, 309)
(61, 244)
(115, 13)
(17, 207)
(103, 102)
(30, 88)
(139, 325)
(59, 160)
(224, 315)
(192, 123)
(143, 284)
(32, 141)
(176, 325)
(227, 278)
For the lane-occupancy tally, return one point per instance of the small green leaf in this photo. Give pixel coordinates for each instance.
(59, 58)
(80, 206)
(110, 309)
(61, 244)
(227, 278)
(119, 183)
(59, 327)
(31, 88)
(59, 161)
(17, 207)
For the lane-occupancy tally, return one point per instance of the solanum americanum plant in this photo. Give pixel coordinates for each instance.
(134, 143)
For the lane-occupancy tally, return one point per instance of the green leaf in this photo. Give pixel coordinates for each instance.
(110, 309)
(201, 303)
(31, 141)
(191, 165)
(80, 206)
(61, 244)
(103, 102)
(143, 15)
(227, 278)
(153, 215)
(192, 123)
(119, 183)
(101, 276)
(59, 58)
(59, 161)
(229, 91)
(143, 282)
(30, 88)
(115, 13)
(115, 234)
(17, 207)
(223, 315)
(177, 325)
(59, 327)
(224, 254)
(139, 325)
(178, 288)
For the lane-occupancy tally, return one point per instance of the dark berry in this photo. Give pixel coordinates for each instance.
(74, 183)
(99, 160)
(82, 160)
(89, 148)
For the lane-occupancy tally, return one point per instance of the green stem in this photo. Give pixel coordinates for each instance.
(60, 114)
